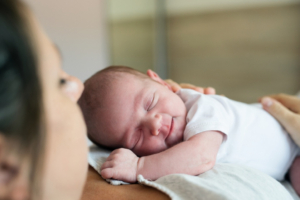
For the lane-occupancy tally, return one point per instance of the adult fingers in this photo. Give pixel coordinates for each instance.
(289, 101)
(174, 86)
(289, 120)
(209, 90)
(191, 86)
(279, 111)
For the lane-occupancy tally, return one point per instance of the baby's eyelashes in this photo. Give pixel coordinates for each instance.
(152, 103)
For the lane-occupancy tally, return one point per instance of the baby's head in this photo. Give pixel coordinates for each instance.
(125, 108)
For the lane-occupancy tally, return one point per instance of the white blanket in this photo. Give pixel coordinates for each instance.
(224, 181)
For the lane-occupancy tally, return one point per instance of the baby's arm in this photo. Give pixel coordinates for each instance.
(194, 156)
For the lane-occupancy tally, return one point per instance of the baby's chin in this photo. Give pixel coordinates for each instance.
(176, 138)
(177, 134)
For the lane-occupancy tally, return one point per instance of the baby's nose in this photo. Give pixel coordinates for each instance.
(156, 124)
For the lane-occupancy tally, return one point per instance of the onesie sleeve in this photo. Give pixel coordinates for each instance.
(206, 113)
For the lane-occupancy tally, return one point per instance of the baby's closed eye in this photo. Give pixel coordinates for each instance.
(150, 104)
(154, 101)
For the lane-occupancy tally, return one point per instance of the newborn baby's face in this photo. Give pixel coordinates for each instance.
(144, 116)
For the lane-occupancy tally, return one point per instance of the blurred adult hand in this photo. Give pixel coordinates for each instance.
(175, 87)
(286, 109)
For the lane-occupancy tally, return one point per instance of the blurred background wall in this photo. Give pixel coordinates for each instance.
(245, 49)
(78, 28)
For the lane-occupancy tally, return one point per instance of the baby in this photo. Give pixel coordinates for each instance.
(184, 132)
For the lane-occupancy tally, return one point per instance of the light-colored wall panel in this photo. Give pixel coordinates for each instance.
(244, 53)
(132, 44)
(79, 29)
(123, 10)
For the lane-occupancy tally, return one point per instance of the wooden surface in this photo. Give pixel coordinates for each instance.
(96, 188)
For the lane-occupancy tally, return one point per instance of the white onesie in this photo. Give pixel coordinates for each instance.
(253, 137)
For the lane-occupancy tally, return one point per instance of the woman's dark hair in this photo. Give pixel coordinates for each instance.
(21, 119)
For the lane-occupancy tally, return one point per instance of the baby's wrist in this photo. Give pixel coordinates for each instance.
(140, 165)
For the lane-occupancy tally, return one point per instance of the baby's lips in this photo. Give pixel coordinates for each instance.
(157, 132)
(170, 128)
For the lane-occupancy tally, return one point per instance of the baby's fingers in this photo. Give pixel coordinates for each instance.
(107, 164)
(108, 173)
(118, 174)
(115, 154)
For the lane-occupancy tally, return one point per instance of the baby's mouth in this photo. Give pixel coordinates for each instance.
(171, 128)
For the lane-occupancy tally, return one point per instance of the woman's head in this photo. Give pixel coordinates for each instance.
(21, 119)
(42, 133)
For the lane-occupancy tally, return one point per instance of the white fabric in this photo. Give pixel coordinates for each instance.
(224, 181)
(253, 137)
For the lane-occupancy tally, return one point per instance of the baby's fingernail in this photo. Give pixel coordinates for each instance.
(266, 101)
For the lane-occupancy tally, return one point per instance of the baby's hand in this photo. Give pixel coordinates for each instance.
(121, 164)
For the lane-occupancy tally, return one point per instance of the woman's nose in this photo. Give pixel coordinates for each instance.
(74, 88)
(155, 124)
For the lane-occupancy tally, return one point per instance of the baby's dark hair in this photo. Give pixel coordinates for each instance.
(93, 97)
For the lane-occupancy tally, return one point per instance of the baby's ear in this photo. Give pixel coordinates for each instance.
(155, 77)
